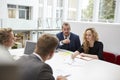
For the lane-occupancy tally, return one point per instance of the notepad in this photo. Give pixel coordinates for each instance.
(87, 58)
(84, 58)
(74, 62)
(65, 53)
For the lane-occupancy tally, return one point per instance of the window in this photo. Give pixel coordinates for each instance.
(11, 11)
(81, 10)
(59, 16)
(59, 3)
(87, 10)
(72, 15)
(72, 9)
(24, 12)
(40, 1)
(49, 2)
(72, 3)
(106, 11)
(59, 13)
(20, 12)
(40, 12)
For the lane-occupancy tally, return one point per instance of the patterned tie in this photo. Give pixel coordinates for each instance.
(66, 45)
(65, 37)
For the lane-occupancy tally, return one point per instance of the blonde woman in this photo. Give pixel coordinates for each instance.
(91, 47)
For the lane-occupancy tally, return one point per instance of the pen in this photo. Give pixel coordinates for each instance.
(67, 75)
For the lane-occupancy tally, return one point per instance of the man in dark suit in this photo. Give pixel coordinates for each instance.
(32, 67)
(67, 39)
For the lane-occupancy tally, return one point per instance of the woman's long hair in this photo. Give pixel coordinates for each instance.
(86, 44)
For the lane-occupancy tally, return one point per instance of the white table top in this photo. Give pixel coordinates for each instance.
(17, 53)
(80, 69)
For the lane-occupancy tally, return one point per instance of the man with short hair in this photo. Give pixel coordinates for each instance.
(32, 67)
(67, 39)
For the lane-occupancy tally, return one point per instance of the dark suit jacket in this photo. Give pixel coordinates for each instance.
(32, 68)
(74, 42)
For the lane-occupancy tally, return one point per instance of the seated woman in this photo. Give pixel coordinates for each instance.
(91, 47)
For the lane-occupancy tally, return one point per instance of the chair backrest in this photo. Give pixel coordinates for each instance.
(109, 57)
(29, 47)
(117, 60)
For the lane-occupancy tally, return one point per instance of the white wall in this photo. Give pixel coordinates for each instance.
(108, 33)
(19, 24)
(3, 9)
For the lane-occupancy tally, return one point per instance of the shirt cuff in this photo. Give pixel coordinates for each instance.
(61, 43)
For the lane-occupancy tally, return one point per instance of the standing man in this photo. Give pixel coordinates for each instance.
(67, 39)
(33, 66)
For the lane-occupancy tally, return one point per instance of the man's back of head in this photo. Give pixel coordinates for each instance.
(45, 44)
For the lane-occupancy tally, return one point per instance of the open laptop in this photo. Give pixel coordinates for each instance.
(29, 47)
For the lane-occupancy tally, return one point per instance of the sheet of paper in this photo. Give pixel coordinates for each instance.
(84, 58)
(76, 62)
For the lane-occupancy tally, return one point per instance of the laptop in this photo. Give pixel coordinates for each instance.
(29, 47)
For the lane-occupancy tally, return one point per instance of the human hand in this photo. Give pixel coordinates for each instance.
(83, 54)
(66, 41)
(61, 77)
(74, 54)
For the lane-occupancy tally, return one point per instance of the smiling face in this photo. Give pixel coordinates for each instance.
(66, 30)
(89, 36)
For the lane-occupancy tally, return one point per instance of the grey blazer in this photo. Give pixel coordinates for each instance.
(32, 68)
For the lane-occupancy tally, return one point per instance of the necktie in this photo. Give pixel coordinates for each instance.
(66, 45)
(65, 37)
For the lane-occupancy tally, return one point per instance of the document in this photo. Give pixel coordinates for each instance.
(61, 71)
(84, 58)
(75, 62)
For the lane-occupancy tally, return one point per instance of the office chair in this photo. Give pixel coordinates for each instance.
(117, 60)
(109, 57)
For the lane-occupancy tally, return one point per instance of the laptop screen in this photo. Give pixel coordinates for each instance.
(29, 47)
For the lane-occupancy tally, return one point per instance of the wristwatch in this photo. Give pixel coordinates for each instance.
(62, 42)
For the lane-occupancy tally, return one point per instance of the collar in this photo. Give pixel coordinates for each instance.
(38, 56)
(67, 36)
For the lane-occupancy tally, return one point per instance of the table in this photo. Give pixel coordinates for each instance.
(17, 53)
(80, 69)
